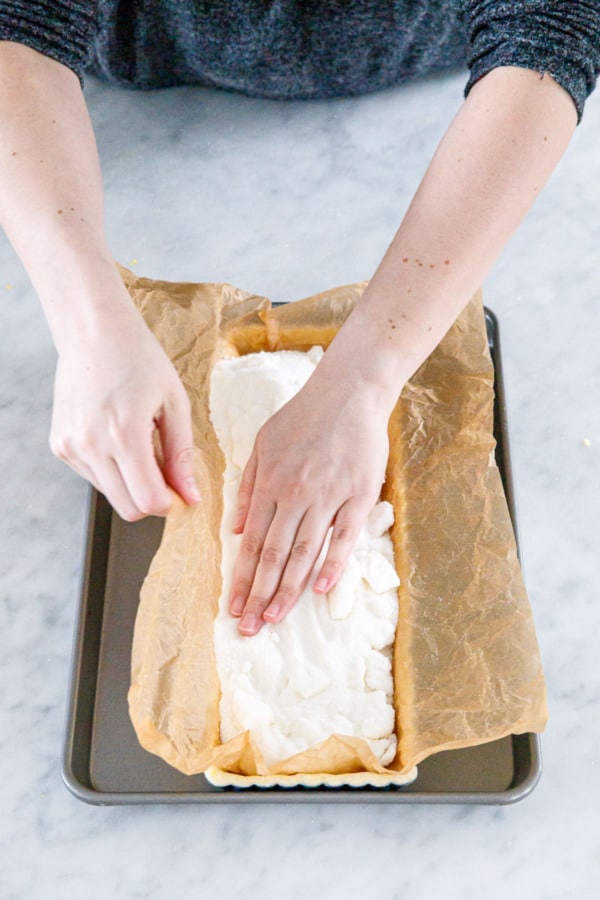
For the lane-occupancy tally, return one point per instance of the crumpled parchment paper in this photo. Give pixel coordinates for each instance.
(466, 662)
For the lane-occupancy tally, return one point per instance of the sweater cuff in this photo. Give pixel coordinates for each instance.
(538, 60)
(558, 38)
(63, 30)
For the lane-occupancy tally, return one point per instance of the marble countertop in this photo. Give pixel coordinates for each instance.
(287, 200)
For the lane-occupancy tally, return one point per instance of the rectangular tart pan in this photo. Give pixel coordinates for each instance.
(102, 760)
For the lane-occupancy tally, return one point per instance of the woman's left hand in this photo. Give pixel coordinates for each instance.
(319, 461)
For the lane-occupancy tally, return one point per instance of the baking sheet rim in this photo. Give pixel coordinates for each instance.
(89, 794)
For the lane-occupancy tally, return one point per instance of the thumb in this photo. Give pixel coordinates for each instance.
(245, 493)
(175, 429)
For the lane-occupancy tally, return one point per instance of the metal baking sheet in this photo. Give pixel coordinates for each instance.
(102, 760)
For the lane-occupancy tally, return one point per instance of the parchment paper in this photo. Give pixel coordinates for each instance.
(466, 662)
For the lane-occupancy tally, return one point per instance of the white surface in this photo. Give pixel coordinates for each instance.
(285, 200)
(326, 668)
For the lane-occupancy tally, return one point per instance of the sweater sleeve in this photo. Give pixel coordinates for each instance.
(61, 29)
(555, 37)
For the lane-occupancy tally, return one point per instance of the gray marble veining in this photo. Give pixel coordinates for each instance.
(286, 199)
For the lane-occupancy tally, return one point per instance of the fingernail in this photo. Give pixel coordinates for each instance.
(248, 624)
(237, 605)
(192, 489)
(272, 611)
(321, 585)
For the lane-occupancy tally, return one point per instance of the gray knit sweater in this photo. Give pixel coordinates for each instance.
(288, 49)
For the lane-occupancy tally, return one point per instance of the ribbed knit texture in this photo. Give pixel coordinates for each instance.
(62, 29)
(310, 48)
(557, 37)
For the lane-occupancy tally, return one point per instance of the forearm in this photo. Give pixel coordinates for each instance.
(489, 168)
(51, 203)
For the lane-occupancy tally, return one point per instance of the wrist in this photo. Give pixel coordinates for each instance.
(358, 362)
(85, 302)
(395, 325)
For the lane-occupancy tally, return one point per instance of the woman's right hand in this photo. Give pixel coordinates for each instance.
(112, 390)
(114, 383)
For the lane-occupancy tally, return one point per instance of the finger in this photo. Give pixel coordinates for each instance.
(257, 525)
(305, 551)
(245, 492)
(81, 469)
(347, 524)
(139, 469)
(278, 542)
(175, 429)
(110, 482)
(64, 450)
